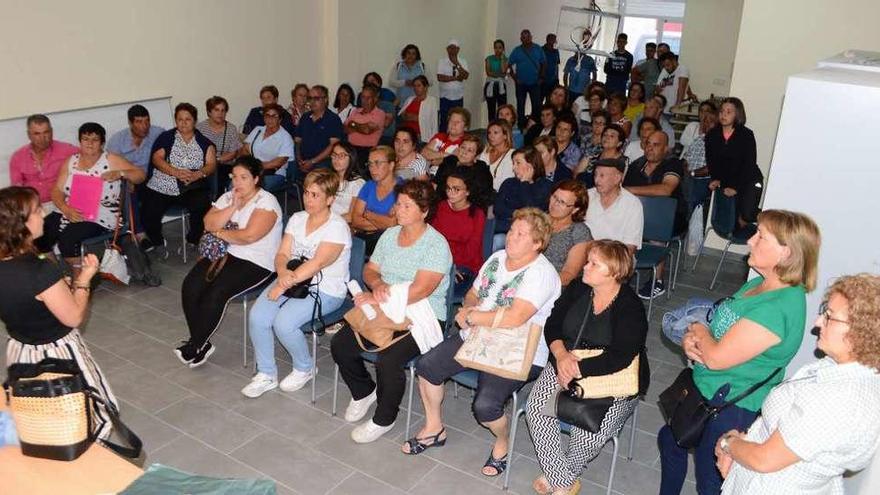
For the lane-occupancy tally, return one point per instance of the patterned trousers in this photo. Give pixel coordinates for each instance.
(563, 468)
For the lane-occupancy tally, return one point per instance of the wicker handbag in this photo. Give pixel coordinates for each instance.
(623, 383)
(52, 405)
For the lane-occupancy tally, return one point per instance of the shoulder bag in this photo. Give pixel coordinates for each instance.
(215, 250)
(381, 331)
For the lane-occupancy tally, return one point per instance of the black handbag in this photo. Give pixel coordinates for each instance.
(300, 290)
(686, 411)
(586, 414)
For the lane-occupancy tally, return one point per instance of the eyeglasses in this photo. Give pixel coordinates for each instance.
(455, 189)
(560, 202)
(314, 98)
(339, 156)
(376, 163)
(271, 116)
(825, 313)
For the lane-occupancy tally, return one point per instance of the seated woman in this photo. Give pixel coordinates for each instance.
(507, 113)
(518, 281)
(613, 139)
(529, 187)
(343, 104)
(613, 318)
(801, 442)
(40, 310)
(585, 107)
(591, 144)
(419, 111)
(616, 106)
(248, 218)
(224, 135)
(343, 160)
(371, 210)
(68, 226)
(410, 252)
(465, 160)
(461, 222)
(635, 101)
(567, 251)
(443, 144)
(273, 146)
(693, 153)
(410, 163)
(553, 170)
(752, 336)
(182, 160)
(636, 147)
(324, 240)
(499, 152)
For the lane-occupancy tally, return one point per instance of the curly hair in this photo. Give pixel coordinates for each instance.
(16, 204)
(862, 294)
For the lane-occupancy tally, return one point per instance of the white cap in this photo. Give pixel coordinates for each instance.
(453, 42)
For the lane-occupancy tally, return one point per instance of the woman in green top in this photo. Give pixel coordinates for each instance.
(495, 89)
(752, 334)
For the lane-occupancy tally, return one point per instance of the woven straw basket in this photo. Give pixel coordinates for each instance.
(624, 383)
(51, 421)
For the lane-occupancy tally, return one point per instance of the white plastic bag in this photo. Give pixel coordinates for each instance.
(113, 266)
(695, 231)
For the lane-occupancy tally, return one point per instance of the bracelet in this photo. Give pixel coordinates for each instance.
(86, 288)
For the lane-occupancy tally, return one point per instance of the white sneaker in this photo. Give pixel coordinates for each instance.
(296, 380)
(259, 385)
(368, 431)
(357, 409)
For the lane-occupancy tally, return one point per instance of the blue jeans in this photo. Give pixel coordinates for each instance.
(675, 323)
(272, 182)
(466, 282)
(283, 318)
(445, 106)
(534, 93)
(674, 459)
(696, 191)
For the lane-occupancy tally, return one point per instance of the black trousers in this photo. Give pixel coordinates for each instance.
(69, 238)
(205, 302)
(389, 372)
(155, 204)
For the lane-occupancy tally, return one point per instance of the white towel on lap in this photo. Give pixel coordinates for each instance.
(425, 329)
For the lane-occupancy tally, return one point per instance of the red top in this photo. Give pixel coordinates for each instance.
(412, 110)
(446, 144)
(463, 232)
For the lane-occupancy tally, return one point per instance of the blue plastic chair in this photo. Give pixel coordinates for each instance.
(659, 218)
(488, 235)
(722, 219)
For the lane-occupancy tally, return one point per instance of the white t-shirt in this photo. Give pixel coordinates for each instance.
(262, 251)
(540, 286)
(348, 190)
(623, 221)
(634, 150)
(670, 91)
(502, 168)
(334, 230)
(266, 149)
(452, 90)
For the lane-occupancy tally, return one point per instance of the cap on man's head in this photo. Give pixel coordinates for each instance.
(617, 163)
(453, 42)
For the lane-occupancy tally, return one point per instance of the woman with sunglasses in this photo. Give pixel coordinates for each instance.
(752, 337)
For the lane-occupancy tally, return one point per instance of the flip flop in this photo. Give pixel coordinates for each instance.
(418, 445)
(499, 465)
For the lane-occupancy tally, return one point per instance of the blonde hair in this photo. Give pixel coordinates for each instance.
(801, 235)
(325, 178)
(862, 294)
(616, 255)
(505, 129)
(388, 151)
(539, 223)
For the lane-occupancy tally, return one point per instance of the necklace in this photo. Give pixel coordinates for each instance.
(593, 303)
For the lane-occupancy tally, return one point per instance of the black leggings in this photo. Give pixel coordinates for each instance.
(389, 372)
(205, 302)
(155, 204)
(68, 239)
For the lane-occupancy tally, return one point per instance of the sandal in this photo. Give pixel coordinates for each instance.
(574, 489)
(418, 445)
(542, 486)
(499, 465)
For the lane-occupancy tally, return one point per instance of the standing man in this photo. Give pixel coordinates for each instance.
(135, 143)
(37, 163)
(317, 132)
(580, 69)
(618, 66)
(647, 70)
(551, 70)
(452, 71)
(527, 65)
(672, 82)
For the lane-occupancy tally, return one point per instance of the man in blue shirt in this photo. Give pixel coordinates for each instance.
(317, 132)
(551, 70)
(579, 70)
(618, 66)
(527, 65)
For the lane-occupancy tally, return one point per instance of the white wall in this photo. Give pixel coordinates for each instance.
(784, 37)
(708, 44)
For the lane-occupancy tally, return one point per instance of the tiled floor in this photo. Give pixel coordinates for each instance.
(197, 420)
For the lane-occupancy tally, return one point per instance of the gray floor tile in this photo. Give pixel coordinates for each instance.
(144, 389)
(188, 454)
(153, 432)
(222, 429)
(361, 484)
(289, 417)
(445, 480)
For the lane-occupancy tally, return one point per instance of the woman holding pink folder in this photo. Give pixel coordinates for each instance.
(86, 194)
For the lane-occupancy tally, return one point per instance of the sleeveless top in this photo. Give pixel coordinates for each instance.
(108, 208)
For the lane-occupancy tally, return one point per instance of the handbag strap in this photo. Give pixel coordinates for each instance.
(360, 342)
(133, 451)
(586, 318)
(748, 391)
(120, 217)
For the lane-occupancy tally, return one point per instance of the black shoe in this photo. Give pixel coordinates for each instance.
(202, 355)
(185, 353)
(647, 292)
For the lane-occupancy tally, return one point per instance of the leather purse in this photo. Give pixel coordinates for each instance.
(300, 290)
(215, 250)
(586, 414)
(381, 331)
(686, 410)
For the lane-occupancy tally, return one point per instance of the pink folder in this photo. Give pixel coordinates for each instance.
(85, 195)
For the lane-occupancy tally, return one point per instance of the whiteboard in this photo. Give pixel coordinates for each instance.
(65, 124)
